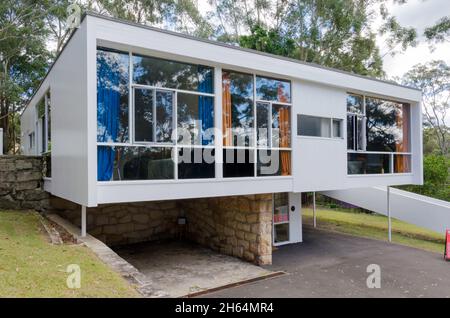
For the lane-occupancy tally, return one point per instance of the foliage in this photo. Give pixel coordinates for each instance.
(439, 32)
(23, 58)
(433, 79)
(436, 178)
(327, 32)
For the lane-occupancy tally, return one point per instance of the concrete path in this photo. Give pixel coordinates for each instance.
(182, 268)
(334, 265)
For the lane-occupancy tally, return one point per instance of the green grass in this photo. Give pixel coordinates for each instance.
(32, 267)
(376, 226)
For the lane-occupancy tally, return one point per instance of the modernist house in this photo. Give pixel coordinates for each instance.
(130, 113)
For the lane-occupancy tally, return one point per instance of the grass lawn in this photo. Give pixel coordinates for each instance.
(32, 267)
(376, 226)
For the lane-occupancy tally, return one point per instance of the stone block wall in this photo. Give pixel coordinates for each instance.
(120, 224)
(240, 226)
(21, 185)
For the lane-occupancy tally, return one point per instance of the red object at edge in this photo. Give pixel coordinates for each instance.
(447, 246)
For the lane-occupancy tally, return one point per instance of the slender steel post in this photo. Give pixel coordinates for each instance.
(83, 221)
(389, 213)
(314, 209)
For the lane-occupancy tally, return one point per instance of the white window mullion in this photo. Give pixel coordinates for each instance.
(255, 137)
(218, 123)
(175, 133)
(130, 100)
(154, 116)
(269, 127)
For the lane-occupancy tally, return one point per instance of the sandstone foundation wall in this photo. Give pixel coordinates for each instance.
(21, 185)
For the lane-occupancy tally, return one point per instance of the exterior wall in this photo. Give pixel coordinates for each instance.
(21, 183)
(240, 226)
(321, 163)
(67, 82)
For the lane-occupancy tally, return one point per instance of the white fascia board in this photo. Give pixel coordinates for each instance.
(136, 191)
(140, 39)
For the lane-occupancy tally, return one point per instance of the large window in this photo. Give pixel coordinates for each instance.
(378, 136)
(256, 115)
(153, 127)
(155, 120)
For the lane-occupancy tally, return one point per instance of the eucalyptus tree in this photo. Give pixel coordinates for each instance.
(433, 79)
(334, 33)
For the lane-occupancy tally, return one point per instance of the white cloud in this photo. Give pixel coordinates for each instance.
(418, 14)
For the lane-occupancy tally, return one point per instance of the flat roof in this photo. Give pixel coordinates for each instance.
(217, 43)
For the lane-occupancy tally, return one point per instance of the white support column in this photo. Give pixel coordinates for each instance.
(314, 209)
(388, 194)
(83, 221)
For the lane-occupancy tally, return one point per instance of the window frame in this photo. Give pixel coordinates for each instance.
(253, 146)
(216, 145)
(391, 154)
(173, 145)
(331, 120)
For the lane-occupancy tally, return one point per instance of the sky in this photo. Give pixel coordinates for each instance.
(418, 14)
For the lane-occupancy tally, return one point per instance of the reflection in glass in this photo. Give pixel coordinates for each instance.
(387, 127)
(170, 74)
(281, 126)
(164, 113)
(281, 217)
(313, 126)
(355, 104)
(237, 108)
(196, 163)
(112, 96)
(195, 115)
(337, 123)
(136, 163)
(273, 90)
(238, 163)
(365, 163)
(281, 233)
(402, 163)
(262, 118)
(355, 132)
(273, 163)
(143, 115)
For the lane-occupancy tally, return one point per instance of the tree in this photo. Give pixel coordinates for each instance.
(436, 176)
(23, 59)
(179, 15)
(439, 32)
(327, 32)
(433, 79)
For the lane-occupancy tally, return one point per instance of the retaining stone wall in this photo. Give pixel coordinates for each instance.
(21, 185)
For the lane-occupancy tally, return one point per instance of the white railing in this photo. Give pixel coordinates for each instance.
(420, 210)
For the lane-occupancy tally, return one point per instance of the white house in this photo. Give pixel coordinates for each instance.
(124, 103)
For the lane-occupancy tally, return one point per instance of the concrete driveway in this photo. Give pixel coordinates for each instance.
(334, 265)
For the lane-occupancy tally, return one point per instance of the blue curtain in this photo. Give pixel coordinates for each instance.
(108, 104)
(206, 103)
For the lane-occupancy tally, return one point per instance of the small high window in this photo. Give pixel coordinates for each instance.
(314, 126)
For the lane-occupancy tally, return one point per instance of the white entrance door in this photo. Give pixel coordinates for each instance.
(287, 224)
